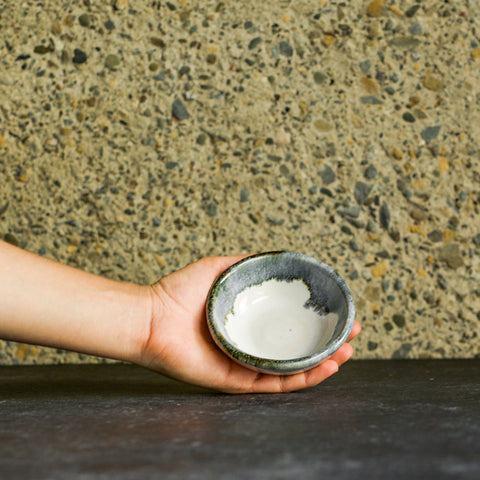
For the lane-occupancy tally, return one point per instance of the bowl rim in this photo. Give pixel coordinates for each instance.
(272, 366)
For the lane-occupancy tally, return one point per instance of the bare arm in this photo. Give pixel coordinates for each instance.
(161, 326)
(46, 303)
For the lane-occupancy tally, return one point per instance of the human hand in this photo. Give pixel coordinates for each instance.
(179, 344)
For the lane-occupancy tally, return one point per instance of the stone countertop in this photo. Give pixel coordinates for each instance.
(417, 419)
(136, 137)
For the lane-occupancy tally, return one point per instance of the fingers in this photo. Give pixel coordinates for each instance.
(344, 353)
(289, 383)
(251, 382)
(263, 383)
(357, 328)
(220, 264)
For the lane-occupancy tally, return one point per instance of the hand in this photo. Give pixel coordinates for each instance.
(179, 344)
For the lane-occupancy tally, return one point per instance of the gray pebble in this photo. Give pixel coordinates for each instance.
(313, 190)
(356, 223)
(399, 319)
(451, 255)
(202, 139)
(365, 66)
(372, 345)
(255, 42)
(408, 117)
(328, 175)
(85, 20)
(79, 56)
(109, 25)
(442, 282)
(415, 28)
(410, 12)
(353, 246)
(160, 76)
(435, 236)
(397, 285)
(430, 133)
(394, 77)
(212, 209)
(361, 192)
(389, 24)
(327, 192)
(354, 275)
(179, 111)
(402, 352)
(429, 297)
(476, 239)
(244, 195)
(276, 221)
(370, 172)
(11, 239)
(384, 216)
(285, 48)
(371, 100)
(385, 285)
(112, 61)
(405, 42)
(353, 212)
(371, 226)
(319, 78)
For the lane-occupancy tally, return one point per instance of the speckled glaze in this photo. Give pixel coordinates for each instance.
(328, 293)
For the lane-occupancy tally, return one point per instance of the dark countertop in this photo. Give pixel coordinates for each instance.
(374, 419)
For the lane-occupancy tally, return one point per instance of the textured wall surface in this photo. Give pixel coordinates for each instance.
(136, 137)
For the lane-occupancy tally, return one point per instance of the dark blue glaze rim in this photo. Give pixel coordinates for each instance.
(280, 367)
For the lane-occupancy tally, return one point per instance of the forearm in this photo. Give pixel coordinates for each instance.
(46, 303)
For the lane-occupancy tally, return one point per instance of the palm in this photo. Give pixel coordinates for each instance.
(180, 344)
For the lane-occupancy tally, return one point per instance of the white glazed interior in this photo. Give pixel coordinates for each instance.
(271, 320)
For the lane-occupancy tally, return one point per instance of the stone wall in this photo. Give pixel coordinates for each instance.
(136, 137)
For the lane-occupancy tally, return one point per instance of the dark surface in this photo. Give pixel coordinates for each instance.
(374, 419)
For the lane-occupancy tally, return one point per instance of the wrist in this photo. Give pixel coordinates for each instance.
(131, 327)
(46, 303)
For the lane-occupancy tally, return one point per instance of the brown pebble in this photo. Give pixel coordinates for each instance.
(375, 8)
(328, 40)
(323, 125)
(379, 270)
(56, 27)
(432, 83)
(373, 292)
(370, 85)
(451, 255)
(475, 54)
(396, 153)
(419, 214)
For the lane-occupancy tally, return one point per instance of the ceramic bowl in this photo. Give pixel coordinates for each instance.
(280, 312)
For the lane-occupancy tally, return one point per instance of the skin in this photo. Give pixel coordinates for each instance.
(160, 326)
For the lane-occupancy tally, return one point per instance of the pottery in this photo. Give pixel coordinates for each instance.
(280, 312)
